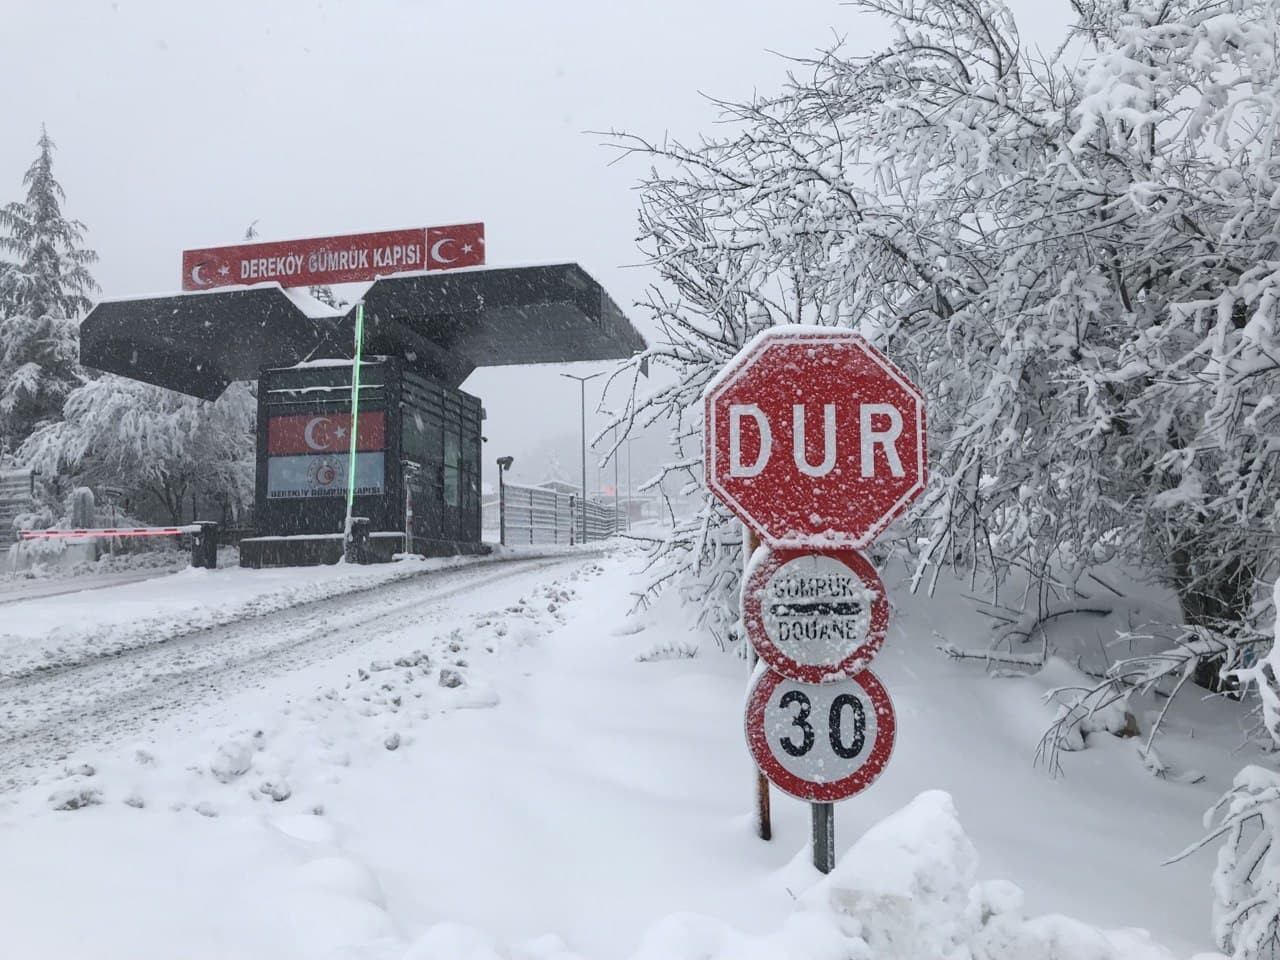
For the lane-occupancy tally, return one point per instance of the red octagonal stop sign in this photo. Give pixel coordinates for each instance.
(814, 438)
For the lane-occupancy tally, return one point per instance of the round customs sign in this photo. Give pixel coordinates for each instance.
(814, 616)
(820, 742)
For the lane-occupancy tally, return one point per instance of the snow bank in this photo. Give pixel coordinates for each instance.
(910, 884)
(61, 630)
(906, 890)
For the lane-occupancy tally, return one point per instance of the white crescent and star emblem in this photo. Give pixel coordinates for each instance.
(198, 280)
(314, 424)
(310, 434)
(437, 255)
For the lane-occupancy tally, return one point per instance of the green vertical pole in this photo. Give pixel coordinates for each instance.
(355, 416)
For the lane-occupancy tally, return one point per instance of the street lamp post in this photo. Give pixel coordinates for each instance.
(582, 384)
(504, 464)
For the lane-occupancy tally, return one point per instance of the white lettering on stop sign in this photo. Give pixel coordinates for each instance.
(868, 437)
(736, 467)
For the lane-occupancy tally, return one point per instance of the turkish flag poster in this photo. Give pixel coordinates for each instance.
(461, 245)
(325, 433)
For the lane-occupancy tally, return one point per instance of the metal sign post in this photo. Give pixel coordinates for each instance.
(764, 817)
(355, 422)
(824, 836)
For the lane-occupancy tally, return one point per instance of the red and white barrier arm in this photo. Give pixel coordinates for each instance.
(111, 532)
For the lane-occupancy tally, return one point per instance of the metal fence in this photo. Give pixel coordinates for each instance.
(538, 515)
(16, 496)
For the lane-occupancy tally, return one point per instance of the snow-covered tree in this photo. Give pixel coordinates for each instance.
(124, 433)
(1075, 254)
(43, 291)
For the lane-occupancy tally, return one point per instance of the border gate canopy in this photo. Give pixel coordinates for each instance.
(444, 325)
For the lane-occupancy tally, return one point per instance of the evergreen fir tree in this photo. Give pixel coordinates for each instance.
(43, 292)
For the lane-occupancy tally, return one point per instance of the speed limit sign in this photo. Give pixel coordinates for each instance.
(820, 741)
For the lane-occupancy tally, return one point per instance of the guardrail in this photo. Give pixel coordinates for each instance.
(204, 540)
(538, 515)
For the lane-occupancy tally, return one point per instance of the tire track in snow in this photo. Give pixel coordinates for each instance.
(179, 631)
(46, 715)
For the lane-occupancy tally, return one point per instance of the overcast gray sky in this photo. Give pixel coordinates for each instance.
(177, 124)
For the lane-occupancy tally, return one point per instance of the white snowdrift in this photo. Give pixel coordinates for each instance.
(522, 773)
(906, 890)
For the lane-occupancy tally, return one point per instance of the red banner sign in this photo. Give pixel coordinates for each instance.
(324, 433)
(322, 260)
(457, 246)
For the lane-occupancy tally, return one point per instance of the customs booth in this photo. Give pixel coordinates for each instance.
(417, 462)
(419, 443)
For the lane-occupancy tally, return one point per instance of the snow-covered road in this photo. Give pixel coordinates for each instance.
(34, 589)
(48, 712)
(495, 761)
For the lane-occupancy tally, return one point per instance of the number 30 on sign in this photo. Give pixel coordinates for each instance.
(820, 742)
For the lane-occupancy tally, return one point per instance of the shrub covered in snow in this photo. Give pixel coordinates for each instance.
(1246, 883)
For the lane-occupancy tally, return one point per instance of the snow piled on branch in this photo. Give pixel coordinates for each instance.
(148, 440)
(907, 890)
(1073, 254)
(1246, 882)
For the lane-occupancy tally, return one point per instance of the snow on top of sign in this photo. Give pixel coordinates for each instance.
(261, 240)
(769, 333)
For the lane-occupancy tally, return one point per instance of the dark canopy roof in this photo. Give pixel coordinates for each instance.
(446, 324)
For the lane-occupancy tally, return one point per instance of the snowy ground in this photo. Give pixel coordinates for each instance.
(50, 578)
(494, 761)
(195, 637)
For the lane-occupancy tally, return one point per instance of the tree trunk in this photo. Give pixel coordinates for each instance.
(1212, 600)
